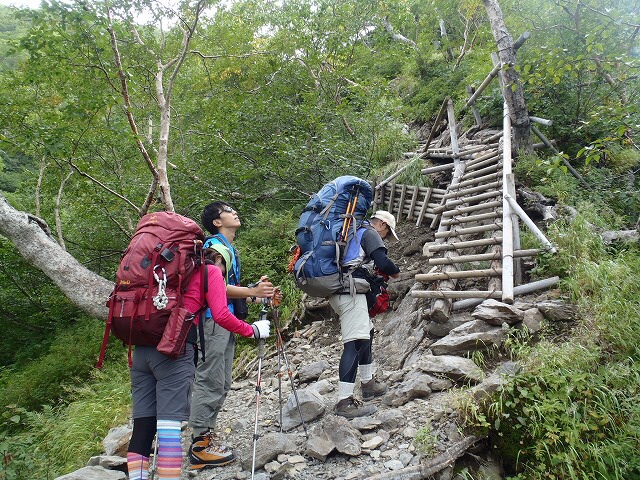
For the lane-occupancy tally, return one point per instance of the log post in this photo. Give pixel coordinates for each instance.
(507, 222)
(474, 109)
(441, 308)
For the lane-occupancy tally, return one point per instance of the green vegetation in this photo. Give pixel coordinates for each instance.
(275, 99)
(425, 441)
(574, 410)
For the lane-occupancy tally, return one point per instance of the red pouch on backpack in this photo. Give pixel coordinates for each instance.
(380, 304)
(175, 333)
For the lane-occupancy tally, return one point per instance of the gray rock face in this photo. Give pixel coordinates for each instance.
(416, 385)
(312, 406)
(557, 310)
(492, 382)
(268, 447)
(312, 372)
(319, 445)
(469, 337)
(533, 319)
(442, 329)
(401, 332)
(456, 368)
(117, 441)
(343, 435)
(496, 313)
(108, 461)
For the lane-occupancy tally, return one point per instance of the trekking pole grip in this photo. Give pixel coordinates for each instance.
(261, 348)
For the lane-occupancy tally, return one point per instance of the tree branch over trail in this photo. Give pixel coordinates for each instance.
(32, 238)
(132, 122)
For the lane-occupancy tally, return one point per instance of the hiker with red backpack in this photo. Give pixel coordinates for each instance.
(161, 387)
(161, 287)
(213, 375)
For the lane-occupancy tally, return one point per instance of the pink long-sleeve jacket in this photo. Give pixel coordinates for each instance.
(216, 300)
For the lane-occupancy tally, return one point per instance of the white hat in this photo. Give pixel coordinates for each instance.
(387, 218)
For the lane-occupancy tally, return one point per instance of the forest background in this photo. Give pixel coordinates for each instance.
(269, 101)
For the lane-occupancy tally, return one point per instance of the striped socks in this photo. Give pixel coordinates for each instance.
(169, 449)
(138, 466)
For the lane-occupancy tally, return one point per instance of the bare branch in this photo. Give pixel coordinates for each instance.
(132, 123)
(102, 185)
(57, 210)
(394, 35)
(43, 165)
(215, 57)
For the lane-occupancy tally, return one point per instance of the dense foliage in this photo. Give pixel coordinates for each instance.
(272, 100)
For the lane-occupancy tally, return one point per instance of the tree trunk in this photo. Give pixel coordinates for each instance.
(512, 88)
(31, 237)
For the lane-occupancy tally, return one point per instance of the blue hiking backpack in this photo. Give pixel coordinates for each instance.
(325, 236)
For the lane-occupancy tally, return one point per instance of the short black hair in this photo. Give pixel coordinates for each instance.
(210, 213)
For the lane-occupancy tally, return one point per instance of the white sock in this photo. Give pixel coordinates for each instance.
(345, 390)
(366, 372)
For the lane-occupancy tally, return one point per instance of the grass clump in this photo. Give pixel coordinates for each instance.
(58, 407)
(63, 436)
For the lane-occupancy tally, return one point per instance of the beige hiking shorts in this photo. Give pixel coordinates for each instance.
(355, 323)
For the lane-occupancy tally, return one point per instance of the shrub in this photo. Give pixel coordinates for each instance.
(574, 410)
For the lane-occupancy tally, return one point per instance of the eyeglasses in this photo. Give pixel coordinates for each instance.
(227, 209)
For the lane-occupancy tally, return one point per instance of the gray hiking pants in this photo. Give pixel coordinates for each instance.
(213, 377)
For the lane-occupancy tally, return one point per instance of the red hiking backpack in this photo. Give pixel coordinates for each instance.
(154, 272)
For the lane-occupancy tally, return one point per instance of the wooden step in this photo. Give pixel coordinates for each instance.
(470, 191)
(450, 205)
(474, 208)
(466, 244)
(447, 294)
(472, 218)
(432, 277)
(467, 231)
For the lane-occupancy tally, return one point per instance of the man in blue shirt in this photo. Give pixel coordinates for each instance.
(214, 375)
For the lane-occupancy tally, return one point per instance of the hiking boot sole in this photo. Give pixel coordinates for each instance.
(351, 416)
(201, 466)
(371, 396)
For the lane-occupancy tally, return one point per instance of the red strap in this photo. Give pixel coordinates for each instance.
(107, 331)
(130, 337)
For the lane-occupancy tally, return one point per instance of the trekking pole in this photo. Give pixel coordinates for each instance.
(281, 351)
(153, 466)
(351, 209)
(263, 316)
(345, 228)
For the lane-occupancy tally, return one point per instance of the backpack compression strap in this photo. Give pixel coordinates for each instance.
(107, 331)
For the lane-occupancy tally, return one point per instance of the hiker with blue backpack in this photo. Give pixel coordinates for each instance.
(335, 256)
(355, 323)
(213, 376)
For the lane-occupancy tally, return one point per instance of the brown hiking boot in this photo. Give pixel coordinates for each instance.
(206, 452)
(351, 408)
(203, 440)
(373, 388)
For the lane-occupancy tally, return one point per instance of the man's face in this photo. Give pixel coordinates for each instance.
(380, 227)
(228, 218)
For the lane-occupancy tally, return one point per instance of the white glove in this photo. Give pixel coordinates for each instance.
(261, 329)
